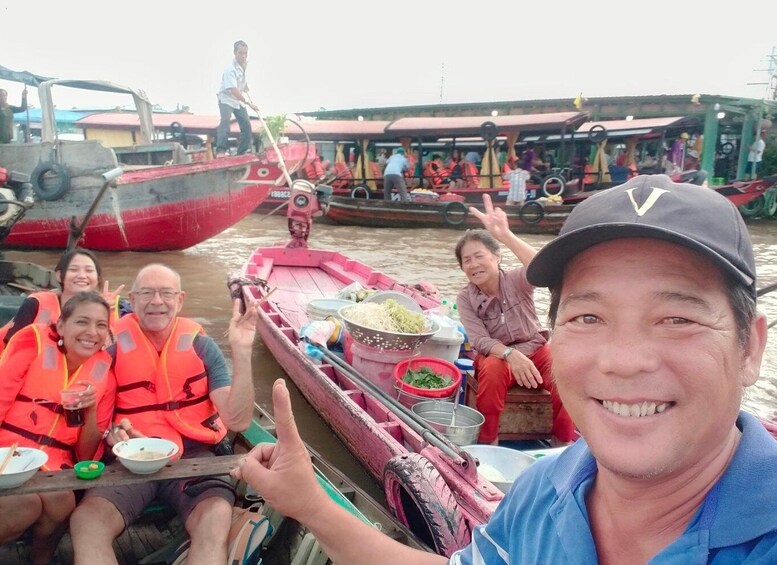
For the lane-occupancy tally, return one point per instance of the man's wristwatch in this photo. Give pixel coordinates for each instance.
(506, 353)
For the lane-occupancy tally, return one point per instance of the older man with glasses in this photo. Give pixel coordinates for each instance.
(172, 382)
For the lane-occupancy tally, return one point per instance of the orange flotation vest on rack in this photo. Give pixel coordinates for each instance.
(470, 174)
(35, 418)
(48, 312)
(314, 170)
(164, 394)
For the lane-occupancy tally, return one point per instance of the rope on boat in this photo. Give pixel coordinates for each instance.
(419, 426)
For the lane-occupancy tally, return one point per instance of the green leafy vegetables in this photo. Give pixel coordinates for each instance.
(424, 377)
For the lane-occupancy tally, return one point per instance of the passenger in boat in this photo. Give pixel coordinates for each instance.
(754, 157)
(497, 310)
(656, 338)
(172, 382)
(394, 175)
(517, 178)
(435, 173)
(38, 360)
(77, 270)
(456, 170)
(6, 115)
(232, 96)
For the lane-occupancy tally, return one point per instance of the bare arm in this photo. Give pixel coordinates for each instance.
(495, 221)
(235, 403)
(283, 474)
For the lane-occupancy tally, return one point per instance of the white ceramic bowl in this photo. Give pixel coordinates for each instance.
(145, 455)
(500, 465)
(22, 466)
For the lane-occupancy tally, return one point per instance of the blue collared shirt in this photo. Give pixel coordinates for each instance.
(544, 518)
(396, 165)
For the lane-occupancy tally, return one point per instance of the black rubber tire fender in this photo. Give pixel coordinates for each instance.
(770, 203)
(50, 181)
(421, 499)
(553, 185)
(177, 131)
(360, 191)
(727, 148)
(531, 213)
(753, 208)
(455, 213)
(597, 133)
(488, 131)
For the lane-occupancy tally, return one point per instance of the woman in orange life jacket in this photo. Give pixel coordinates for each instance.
(39, 362)
(76, 271)
(497, 310)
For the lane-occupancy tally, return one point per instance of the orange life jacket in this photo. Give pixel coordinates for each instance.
(164, 394)
(36, 417)
(48, 312)
(314, 170)
(435, 173)
(470, 174)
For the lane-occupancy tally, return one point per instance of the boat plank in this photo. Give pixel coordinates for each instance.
(116, 474)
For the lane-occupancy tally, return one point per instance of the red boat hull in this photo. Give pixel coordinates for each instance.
(156, 209)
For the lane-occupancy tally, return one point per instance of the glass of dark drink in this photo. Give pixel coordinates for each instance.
(71, 402)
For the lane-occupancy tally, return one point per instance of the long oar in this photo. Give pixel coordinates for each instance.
(407, 416)
(270, 136)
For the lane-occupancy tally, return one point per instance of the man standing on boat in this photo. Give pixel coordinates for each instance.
(394, 175)
(232, 100)
(172, 382)
(6, 115)
(656, 337)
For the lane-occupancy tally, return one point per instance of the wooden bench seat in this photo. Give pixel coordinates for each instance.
(528, 413)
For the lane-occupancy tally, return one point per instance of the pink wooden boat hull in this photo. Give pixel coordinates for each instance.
(458, 498)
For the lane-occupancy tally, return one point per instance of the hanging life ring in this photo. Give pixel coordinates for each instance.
(553, 185)
(50, 180)
(360, 191)
(727, 148)
(455, 213)
(531, 213)
(420, 498)
(597, 133)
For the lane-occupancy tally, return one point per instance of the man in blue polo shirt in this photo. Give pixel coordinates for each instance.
(656, 336)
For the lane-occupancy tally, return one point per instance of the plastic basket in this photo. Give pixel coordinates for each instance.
(439, 366)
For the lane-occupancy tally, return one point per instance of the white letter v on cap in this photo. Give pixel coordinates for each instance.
(648, 204)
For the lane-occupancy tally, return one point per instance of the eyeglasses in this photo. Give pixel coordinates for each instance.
(146, 294)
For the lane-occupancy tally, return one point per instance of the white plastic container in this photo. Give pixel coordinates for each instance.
(442, 347)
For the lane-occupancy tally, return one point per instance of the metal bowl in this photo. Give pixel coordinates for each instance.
(438, 415)
(386, 340)
(500, 465)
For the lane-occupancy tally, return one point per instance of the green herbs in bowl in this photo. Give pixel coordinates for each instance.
(424, 377)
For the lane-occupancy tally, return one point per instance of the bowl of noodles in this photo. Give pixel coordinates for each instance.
(145, 455)
(387, 325)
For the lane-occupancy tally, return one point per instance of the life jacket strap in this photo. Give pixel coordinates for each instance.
(165, 406)
(40, 439)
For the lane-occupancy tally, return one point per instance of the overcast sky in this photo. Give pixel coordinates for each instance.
(306, 55)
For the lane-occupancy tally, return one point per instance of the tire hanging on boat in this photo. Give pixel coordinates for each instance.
(597, 133)
(50, 181)
(360, 191)
(553, 185)
(770, 203)
(455, 213)
(531, 213)
(421, 499)
(753, 208)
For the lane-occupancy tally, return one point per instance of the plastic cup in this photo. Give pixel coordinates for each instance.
(71, 402)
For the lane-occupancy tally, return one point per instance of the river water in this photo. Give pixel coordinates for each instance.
(410, 255)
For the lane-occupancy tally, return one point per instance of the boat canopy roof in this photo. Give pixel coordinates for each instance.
(462, 126)
(25, 77)
(192, 123)
(339, 130)
(142, 105)
(645, 126)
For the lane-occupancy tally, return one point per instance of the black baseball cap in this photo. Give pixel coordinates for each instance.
(652, 206)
